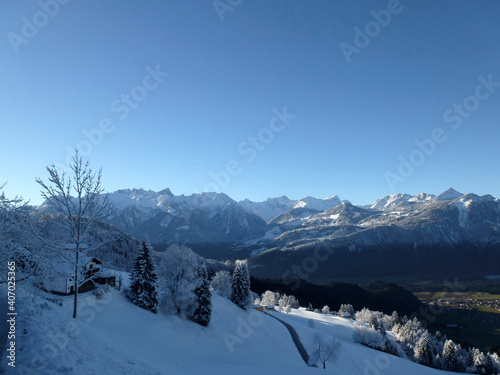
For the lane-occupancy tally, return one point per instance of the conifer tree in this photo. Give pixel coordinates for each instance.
(240, 286)
(423, 350)
(395, 319)
(450, 356)
(203, 311)
(143, 288)
(478, 361)
(489, 365)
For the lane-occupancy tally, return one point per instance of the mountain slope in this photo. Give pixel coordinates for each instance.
(113, 336)
(463, 228)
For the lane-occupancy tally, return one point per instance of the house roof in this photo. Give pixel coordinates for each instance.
(67, 267)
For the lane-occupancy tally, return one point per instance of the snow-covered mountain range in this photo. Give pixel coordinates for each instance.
(206, 218)
(213, 218)
(221, 228)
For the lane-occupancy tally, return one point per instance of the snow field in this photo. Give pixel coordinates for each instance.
(113, 336)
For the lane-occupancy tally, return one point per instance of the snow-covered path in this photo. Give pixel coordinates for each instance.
(296, 340)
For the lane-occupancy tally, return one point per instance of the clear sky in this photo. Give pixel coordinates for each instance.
(185, 95)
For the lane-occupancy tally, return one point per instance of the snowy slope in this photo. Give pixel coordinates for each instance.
(112, 336)
(353, 358)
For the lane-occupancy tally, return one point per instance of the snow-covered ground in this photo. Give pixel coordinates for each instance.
(113, 336)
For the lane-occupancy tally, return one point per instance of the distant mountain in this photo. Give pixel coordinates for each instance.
(206, 218)
(203, 219)
(280, 232)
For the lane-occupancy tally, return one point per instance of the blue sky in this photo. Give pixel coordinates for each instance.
(349, 123)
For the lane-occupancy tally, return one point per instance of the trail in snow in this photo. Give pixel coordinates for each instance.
(296, 340)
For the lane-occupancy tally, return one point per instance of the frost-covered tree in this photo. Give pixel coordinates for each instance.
(178, 273)
(374, 323)
(221, 283)
(496, 362)
(16, 240)
(409, 334)
(325, 309)
(79, 205)
(241, 294)
(451, 357)
(347, 308)
(143, 288)
(489, 367)
(293, 302)
(288, 309)
(324, 349)
(270, 298)
(285, 300)
(423, 350)
(478, 361)
(203, 312)
(394, 319)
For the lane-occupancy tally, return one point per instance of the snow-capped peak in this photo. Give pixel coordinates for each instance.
(422, 197)
(318, 204)
(449, 195)
(390, 200)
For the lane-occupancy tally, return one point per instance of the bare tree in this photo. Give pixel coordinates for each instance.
(324, 350)
(79, 204)
(15, 240)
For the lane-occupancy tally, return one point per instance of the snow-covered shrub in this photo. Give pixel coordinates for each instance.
(369, 337)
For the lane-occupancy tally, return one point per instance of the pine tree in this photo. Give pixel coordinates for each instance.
(143, 288)
(423, 350)
(395, 319)
(240, 286)
(451, 360)
(489, 365)
(479, 361)
(203, 311)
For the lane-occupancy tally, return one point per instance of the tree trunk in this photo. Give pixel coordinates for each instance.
(75, 304)
(324, 365)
